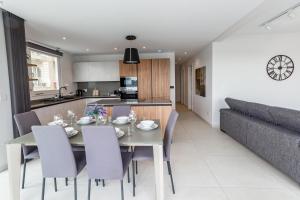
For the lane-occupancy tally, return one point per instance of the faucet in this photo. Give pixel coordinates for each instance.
(59, 91)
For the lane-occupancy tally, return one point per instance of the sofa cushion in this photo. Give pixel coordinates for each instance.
(237, 105)
(260, 111)
(287, 118)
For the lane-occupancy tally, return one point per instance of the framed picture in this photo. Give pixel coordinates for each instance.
(200, 80)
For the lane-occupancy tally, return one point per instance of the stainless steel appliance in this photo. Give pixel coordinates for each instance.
(129, 87)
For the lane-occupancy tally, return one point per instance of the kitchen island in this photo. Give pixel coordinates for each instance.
(155, 109)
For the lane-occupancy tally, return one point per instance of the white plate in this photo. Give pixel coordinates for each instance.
(55, 123)
(119, 123)
(140, 126)
(119, 132)
(85, 123)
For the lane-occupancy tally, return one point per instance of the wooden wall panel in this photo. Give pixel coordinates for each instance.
(145, 79)
(161, 78)
(127, 69)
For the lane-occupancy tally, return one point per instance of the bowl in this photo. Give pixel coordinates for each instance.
(147, 123)
(122, 119)
(86, 119)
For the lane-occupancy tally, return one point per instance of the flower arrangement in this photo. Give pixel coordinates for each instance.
(95, 110)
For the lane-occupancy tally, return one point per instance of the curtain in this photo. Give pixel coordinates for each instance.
(17, 64)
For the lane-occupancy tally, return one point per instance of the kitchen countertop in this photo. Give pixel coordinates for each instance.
(146, 102)
(46, 102)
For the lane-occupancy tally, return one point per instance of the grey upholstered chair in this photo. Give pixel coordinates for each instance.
(59, 161)
(146, 153)
(24, 122)
(103, 156)
(122, 110)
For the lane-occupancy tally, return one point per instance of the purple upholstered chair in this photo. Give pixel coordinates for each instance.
(58, 161)
(146, 153)
(24, 122)
(118, 111)
(103, 155)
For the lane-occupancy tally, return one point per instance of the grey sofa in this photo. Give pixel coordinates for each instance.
(271, 132)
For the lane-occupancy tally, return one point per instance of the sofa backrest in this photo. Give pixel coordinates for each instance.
(287, 118)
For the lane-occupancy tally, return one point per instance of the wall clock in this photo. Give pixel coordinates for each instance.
(280, 67)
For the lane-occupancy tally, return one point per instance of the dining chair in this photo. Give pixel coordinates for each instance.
(103, 155)
(58, 161)
(24, 122)
(146, 153)
(121, 110)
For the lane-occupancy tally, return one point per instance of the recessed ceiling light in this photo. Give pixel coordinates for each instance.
(144, 47)
(115, 48)
(159, 50)
(291, 14)
(64, 38)
(185, 53)
(87, 49)
(268, 27)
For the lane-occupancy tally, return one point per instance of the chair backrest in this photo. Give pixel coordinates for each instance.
(169, 133)
(123, 110)
(55, 151)
(103, 155)
(24, 123)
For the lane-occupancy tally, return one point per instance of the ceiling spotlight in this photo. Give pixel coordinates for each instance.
(159, 50)
(185, 53)
(268, 27)
(64, 38)
(115, 48)
(291, 14)
(144, 47)
(87, 49)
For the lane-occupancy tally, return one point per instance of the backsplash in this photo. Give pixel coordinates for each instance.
(103, 87)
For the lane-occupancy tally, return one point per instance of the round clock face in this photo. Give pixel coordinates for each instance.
(280, 67)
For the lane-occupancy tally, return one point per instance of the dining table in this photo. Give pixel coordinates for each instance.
(133, 137)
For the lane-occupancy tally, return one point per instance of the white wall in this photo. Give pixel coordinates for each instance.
(113, 57)
(202, 105)
(6, 132)
(239, 71)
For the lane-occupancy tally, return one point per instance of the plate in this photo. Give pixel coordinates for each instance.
(140, 126)
(86, 123)
(119, 123)
(57, 123)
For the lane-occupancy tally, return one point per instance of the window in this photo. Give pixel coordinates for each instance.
(43, 73)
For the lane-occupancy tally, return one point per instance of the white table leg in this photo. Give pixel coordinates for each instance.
(14, 170)
(159, 171)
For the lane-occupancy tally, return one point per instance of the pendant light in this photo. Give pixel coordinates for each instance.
(131, 55)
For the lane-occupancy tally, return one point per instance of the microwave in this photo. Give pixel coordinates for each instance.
(128, 82)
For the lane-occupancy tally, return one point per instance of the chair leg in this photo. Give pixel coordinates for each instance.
(43, 188)
(122, 190)
(75, 188)
(55, 185)
(128, 175)
(171, 176)
(89, 189)
(133, 179)
(24, 172)
(136, 167)
(96, 181)
(66, 181)
(103, 183)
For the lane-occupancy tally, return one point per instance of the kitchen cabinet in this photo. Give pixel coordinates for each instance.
(161, 78)
(127, 69)
(145, 79)
(96, 71)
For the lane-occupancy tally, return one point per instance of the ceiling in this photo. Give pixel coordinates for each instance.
(100, 26)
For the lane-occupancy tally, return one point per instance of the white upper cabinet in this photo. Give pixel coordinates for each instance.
(96, 71)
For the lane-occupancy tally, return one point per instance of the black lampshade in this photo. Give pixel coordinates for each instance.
(131, 56)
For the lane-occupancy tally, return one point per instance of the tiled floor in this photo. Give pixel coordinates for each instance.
(207, 165)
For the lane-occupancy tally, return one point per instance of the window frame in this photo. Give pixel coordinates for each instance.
(43, 94)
